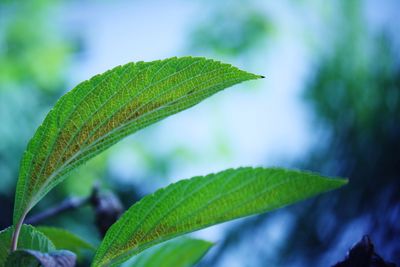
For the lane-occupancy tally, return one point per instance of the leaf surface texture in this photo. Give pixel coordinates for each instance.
(199, 202)
(29, 238)
(101, 111)
(34, 258)
(63, 239)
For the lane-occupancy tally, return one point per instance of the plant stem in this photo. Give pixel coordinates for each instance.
(67, 204)
(17, 230)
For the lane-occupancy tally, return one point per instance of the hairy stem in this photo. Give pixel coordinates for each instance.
(15, 236)
(67, 204)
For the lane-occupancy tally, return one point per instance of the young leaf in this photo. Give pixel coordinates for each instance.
(64, 239)
(200, 202)
(182, 252)
(29, 238)
(34, 258)
(103, 110)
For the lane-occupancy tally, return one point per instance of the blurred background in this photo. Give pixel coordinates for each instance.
(330, 103)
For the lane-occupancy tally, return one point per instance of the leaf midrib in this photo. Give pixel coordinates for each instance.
(176, 205)
(93, 113)
(166, 237)
(111, 97)
(115, 130)
(73, 111)
(140, 107)
(42, 137)
(150, 210)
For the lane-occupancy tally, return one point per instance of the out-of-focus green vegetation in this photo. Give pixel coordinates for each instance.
(231, 30)
(33, 51)
(33, 60)
(352, 91)
(354, 94)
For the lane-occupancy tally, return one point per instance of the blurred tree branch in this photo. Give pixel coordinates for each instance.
(107, 207)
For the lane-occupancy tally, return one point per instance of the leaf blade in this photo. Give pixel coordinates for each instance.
(200, 202)
(34, 258)
(30, 238)
(181, 252)
(63, 239)
(103, 110)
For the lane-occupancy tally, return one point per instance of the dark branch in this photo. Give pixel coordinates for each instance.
(363, 254)
(67, 204)
(106, 205)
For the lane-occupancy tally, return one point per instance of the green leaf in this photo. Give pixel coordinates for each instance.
(182, 252)
(20, 258)
(64, 239)
(34, 258)
(199, 202)
(29, 238)
(103, 110)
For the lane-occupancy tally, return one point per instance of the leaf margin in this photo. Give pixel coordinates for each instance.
(336, 183)
(26, 230)
(27, 197)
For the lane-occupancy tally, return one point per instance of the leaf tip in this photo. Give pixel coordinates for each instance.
(343, 181)
(338, 182)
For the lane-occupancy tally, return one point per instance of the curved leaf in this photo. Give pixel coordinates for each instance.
(33, 258)
(182, 252)
(101, 111)
(63, 239)
(199, 202)
(29, 238)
